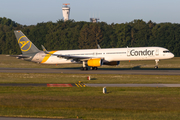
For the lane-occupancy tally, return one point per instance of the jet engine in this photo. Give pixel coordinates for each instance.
(112, 63)
(95, 62)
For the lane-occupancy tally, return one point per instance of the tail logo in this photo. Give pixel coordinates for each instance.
(24, 43)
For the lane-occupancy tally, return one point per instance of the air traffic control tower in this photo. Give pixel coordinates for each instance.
(66, 11)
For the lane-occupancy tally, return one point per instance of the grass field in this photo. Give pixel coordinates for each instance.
(89, 102)
(96, 78)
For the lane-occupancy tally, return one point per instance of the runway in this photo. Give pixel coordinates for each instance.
(87, 85)
(133, 85)
(100, 71)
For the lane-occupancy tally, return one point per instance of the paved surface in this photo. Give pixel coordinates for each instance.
(11, 118)
(92, 85)
(133, 85)
(101, 71)
(23, 84)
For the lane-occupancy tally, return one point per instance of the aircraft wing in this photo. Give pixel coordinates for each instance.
(75, 58)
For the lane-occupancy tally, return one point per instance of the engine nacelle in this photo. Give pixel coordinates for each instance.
(95, 62)
(112, 63)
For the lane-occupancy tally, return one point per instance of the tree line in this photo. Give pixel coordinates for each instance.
(85, 35)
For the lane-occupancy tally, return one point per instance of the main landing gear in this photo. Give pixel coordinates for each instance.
(156, 67)
(85, 67)
(94, 68)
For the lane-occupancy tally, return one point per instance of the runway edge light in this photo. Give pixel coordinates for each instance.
(88, 78)
(104, 90)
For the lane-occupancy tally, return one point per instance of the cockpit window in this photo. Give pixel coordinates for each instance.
(166, 51)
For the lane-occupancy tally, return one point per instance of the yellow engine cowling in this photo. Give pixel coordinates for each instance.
(94, 62)
(112, 63)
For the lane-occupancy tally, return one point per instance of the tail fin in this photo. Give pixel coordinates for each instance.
(26, 46)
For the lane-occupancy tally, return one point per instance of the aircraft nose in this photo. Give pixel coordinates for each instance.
(172, 55)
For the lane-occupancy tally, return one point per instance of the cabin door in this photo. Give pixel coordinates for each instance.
(157, 52)
(128, 52)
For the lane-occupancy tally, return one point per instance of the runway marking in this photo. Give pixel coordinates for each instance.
(80, 84)
(59, 85)
(76, 84)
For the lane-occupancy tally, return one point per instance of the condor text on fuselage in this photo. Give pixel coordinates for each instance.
(141, 53)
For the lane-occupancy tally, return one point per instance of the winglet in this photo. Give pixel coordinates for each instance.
(44, 49)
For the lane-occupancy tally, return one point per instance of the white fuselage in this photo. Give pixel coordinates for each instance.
(107, 54)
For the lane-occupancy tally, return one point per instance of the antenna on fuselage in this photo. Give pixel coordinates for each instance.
(98, 46)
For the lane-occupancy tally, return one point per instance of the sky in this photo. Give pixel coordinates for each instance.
(31, 12)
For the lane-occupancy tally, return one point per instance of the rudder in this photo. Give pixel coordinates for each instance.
(26, 46)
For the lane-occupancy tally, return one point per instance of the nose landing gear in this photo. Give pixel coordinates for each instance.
(156, 67)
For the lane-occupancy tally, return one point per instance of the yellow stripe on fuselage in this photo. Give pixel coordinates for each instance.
(47, 57)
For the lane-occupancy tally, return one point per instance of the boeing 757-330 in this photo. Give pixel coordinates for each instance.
(89, 58)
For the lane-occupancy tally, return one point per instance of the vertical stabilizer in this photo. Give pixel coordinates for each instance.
(26, 46)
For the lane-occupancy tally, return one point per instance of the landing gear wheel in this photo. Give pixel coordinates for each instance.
(84, 68)
(156, 67)
(94, 68)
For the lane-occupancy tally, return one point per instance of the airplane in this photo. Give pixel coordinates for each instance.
(89, 58)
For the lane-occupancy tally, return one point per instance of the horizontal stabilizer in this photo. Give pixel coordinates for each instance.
(20, 56)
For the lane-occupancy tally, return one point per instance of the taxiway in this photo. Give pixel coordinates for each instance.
(100, 71)
(87, 85)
